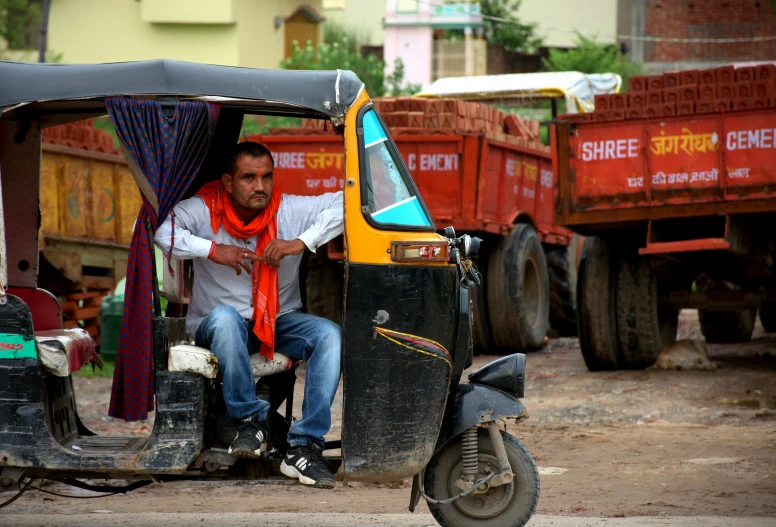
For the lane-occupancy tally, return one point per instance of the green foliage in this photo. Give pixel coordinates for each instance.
(411, 89)
(591, 56)
(341, 54)
(17, 18)
(54, 57)
(334, 32)
(395, 81)
(338, 55)
(103, 122)
(260, 124)
(109, 364)
(513, 35)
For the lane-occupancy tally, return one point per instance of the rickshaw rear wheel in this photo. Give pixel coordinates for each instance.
(509, 505)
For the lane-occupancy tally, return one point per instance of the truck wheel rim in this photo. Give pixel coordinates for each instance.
(489, 504)
(532, 298)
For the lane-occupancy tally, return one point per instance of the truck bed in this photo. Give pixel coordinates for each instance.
(626, 172)
(473, 182)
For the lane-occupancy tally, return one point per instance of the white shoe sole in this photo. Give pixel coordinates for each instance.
(293, 473)
(256, 453)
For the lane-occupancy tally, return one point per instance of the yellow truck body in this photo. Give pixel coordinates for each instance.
(89, 203)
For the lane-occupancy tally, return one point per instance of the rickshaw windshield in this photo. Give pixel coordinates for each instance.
(390, 197)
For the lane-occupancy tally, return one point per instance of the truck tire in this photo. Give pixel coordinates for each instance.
(561, 264)
(727, 327)
(323, 286)
(596, 301)
(481, 334)
(518, 292)
(768, 316)
(644, 328)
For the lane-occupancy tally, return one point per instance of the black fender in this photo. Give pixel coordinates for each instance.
(475, 404)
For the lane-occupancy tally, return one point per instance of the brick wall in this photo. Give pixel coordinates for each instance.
(709, 19)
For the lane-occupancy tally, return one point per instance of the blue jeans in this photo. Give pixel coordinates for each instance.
(297, 335)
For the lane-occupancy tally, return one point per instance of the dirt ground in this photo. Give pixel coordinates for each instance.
(611, 444)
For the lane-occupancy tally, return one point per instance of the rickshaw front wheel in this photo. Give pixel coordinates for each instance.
(510, 505)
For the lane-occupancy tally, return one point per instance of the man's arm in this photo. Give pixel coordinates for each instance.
(317, 219)
(191, 216)
(324, 219)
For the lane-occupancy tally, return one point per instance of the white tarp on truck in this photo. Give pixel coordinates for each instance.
(578, 89)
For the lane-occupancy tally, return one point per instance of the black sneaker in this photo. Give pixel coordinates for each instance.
(305, 463)
(251, 434)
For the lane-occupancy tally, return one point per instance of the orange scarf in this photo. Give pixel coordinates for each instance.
(264, 278)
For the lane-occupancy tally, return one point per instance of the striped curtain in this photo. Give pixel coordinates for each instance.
(164, 155)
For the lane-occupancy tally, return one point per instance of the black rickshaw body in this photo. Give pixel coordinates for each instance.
(406, 322)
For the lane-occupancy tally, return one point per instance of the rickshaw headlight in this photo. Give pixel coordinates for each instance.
(475, 246)
(420, 251)
(506, 374)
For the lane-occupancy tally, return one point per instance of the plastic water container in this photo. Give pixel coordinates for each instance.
(111, 311)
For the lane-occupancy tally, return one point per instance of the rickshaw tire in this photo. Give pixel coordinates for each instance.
(510, 314)
(525, 484)
(727, 327)
(481, 332)
(596, 305)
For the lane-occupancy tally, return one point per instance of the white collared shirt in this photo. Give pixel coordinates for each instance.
(313, 219)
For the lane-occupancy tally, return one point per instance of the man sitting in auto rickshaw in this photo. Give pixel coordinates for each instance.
(247, 240)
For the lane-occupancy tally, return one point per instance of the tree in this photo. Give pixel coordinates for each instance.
(511, 33)
(344, 55)
(17, 19)
(338, 55)
(395, 81)
(591, 56)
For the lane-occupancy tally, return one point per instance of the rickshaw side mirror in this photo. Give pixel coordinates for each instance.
(506, 374)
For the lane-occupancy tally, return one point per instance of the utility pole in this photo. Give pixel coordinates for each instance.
(44, 16)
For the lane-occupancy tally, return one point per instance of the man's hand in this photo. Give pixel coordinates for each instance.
(278, 249)
(237, 257)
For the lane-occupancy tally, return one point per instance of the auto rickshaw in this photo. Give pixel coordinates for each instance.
(406, 317)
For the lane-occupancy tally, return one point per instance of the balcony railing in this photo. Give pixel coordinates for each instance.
(450, 58)
(450, 10)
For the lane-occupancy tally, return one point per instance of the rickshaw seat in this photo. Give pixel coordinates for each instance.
(187, 358)
(65, 351)
(44, 307)
(60, 351)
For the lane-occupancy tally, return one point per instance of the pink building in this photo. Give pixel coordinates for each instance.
(416, 32)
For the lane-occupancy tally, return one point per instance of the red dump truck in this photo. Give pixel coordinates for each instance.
(478, 174)
(485, 173)
(674, 186)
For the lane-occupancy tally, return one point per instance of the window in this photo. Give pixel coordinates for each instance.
(389, 196)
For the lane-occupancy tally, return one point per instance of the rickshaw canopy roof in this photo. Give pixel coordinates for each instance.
(578, 89)
(325, 93)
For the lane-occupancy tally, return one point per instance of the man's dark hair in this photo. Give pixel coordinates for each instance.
(248, 148)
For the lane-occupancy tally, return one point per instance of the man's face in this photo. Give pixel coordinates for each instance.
(251, 184)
